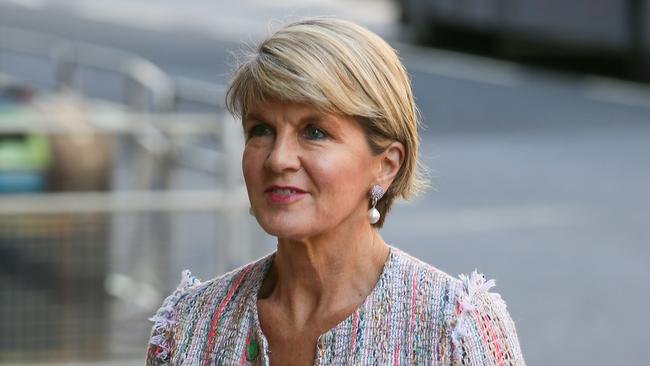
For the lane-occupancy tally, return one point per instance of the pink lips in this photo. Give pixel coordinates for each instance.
(284, 194)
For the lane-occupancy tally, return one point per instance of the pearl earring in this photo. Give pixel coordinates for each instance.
(376, 193)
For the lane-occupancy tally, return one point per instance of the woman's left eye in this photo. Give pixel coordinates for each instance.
(314, 133)
(259, 130)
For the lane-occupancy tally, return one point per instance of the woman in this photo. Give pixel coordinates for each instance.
(331, 141)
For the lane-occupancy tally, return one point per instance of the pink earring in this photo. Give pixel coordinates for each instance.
(376, 193)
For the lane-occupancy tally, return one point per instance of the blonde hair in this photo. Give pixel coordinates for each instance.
(339, 67)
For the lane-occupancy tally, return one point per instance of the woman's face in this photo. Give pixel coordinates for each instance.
(306, 172)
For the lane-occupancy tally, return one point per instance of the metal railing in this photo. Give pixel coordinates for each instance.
(106, 257)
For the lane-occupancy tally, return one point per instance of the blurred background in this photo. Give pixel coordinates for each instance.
(119, 166)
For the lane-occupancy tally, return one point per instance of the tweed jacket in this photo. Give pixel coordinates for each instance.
(415, 315)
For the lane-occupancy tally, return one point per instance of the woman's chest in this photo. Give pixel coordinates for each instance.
(365, 338)
(292, 350)
(292, 345)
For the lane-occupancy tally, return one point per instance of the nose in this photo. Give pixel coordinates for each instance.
(283, 156)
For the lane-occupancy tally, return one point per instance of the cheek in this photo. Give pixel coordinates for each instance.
(251, 165)
(343, 178)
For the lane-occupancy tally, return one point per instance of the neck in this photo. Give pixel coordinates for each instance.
(326, 273)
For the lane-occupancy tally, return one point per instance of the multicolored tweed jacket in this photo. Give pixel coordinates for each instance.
(415, 315)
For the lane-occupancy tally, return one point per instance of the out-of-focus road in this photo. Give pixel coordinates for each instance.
(542, 180)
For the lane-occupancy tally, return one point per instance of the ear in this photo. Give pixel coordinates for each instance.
(390, 161)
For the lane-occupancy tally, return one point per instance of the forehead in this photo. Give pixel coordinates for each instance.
(276, 111)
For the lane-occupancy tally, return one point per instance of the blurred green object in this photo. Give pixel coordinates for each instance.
(24, 158)
(27, 152)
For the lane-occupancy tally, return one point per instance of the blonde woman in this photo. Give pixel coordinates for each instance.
(331, 141)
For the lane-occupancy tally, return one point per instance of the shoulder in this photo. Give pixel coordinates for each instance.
(158, 350)
(472, 320)
(182, 305)
(424, 276)
(428, 291)
(227, 287)
(482, 331)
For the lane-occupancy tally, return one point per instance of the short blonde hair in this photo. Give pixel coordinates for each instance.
(339, 67)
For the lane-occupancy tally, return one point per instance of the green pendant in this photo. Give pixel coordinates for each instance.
(252, 350)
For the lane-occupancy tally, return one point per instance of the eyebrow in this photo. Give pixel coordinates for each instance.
(252, 116)
(310, 118)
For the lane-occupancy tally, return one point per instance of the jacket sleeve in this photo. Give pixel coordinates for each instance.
(483, 332)
(161, 342)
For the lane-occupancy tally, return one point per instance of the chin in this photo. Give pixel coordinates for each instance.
(285, 228)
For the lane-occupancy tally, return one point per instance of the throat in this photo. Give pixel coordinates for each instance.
(319, 303)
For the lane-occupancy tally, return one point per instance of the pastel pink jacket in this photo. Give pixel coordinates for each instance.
(415, 315)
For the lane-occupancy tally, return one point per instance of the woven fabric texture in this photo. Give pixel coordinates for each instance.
(415, 315)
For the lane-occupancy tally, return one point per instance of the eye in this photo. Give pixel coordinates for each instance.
(258, 130)
(314, 133)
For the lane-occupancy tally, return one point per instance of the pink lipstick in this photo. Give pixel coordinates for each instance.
(284, 194)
